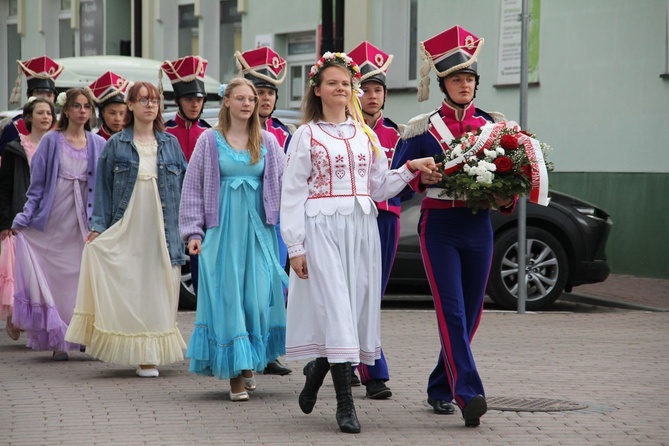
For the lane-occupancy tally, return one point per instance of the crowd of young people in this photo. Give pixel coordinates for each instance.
(93, 226)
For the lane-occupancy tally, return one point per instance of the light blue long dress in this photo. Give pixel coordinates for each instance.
(241, 318)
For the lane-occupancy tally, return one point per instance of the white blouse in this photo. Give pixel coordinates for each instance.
(330, 168)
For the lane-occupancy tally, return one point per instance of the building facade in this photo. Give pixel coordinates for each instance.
(599, 92)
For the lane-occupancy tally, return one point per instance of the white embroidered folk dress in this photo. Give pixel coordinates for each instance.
(128, 289)
(331, 180)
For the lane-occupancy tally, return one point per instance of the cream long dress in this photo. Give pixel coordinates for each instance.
(128, 290)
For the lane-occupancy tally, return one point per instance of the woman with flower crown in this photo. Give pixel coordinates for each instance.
(335, 170)
(456, 243)
(51, 229)
(38, 115)
(229, 206)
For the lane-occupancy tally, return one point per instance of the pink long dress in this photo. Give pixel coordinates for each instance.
(47, 263)
(7, 252)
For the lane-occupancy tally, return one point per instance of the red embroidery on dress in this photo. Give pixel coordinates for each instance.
(351, 165)
(340, 166)
(327, 165)
(362, 165)
(320, 182)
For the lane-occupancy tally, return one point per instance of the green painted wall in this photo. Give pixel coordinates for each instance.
(639, 207)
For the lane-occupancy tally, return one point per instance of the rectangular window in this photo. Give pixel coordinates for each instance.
(13, 8)
(65, 32)
(13, 54)
(230, 39)
(301, 55)
(188, 31)
(66, 36)
(400, 38)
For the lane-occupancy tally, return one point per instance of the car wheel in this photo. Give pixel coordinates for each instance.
(547, 268)
(187, 298)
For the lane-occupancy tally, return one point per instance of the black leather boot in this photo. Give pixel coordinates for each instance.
(346, 416)
(315, 372)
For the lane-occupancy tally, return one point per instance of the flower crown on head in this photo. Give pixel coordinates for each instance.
(329, 59)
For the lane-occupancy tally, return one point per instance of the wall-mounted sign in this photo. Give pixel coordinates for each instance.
(509, 42)
(91, 23)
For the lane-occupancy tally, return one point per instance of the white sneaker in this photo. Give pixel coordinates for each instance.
(147, 373)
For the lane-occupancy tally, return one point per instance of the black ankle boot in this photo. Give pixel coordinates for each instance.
(346, 416)
(315, 372)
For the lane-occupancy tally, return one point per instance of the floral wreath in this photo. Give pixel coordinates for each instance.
(330, 59)
(497, 160)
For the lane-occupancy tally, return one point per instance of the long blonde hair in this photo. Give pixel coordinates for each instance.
(253, 124)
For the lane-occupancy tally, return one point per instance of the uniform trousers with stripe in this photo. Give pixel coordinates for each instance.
(389, 230)
(456, 246)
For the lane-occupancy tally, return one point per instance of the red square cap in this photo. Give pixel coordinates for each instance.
(455, 49)
(372, 61)
(110, 87)
(186, 75)
(262, 66)
(41, 73)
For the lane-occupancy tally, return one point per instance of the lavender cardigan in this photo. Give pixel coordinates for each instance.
(44, 174)
(202, 185)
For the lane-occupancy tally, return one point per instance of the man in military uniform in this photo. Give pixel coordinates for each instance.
(374, 65)
(262, 66)
(41, 73)
(108, 93)
(187, 77)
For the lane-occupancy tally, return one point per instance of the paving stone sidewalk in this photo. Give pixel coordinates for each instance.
(629, 290)
(614, 361)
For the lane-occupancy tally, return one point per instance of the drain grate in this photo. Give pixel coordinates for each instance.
(532, 404)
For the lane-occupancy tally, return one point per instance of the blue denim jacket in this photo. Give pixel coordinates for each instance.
(118, 167)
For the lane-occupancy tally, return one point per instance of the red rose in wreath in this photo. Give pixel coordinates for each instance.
(508, 142)
(527, 170)
(504, 164)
